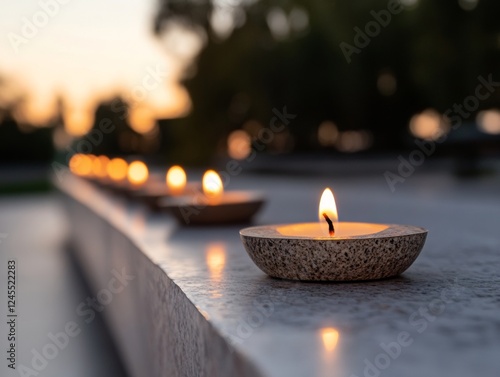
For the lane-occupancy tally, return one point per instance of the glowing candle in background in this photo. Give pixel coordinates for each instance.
(74, 162)
(218, 206)
(176, 180)
(99, 165)
(81, 164)
(212, 186)
(137, 173)
(117, 169)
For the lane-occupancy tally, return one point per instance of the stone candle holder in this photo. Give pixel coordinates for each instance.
(152, 194)
(234, 207)
(367, 252)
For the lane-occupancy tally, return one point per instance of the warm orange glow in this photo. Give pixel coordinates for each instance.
(56, 73)
(138, 173)
(176, 179)
(327, 205)
(142, 120)
(328, 133)
(34, 110)
(216, 259)
(353, 141)
(429, 125)
(74, 161)
(78, 122)
(99, 165)
(212, 185)
(239, 144)
(170, 102)
(342, 229)
(117, 169)
(488, 121)
(330, 337)
(81, 164)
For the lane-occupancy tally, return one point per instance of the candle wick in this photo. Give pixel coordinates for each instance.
(331, 229)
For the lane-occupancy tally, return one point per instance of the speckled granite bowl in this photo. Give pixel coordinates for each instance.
(387, 252)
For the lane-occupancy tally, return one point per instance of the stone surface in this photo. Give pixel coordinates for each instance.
(205, 309)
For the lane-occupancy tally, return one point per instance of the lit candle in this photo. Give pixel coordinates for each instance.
(99, 165)
(212, 186)
(328, 225)
(117, 169)
(137, 174)
(176, 180)
(214, 205)
(329, 250)
(174, 184)
(328, 210)
(81, 164)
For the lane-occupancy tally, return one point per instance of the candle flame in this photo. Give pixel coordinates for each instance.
(212, 185)
(176, 179)
(99, 165)
(81, 164)
(137, 173)
(330, 337)
(327, 212)
(117, 169)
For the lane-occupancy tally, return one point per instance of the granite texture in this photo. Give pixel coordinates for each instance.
(386, 254)
(152, 313)
(201, 306)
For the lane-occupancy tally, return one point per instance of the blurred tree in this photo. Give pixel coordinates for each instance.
(265, 54)
(112, 134)
(20, 142)
(23, 143)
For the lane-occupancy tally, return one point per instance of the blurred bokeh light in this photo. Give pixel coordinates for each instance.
(239, 144)
(117, 169)
(488, 121)
(428, 125)
(137, 173)
(190, 82)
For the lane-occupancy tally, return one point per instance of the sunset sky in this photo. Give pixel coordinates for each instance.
(89, 50)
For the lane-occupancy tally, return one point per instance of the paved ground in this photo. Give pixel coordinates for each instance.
(49, 289)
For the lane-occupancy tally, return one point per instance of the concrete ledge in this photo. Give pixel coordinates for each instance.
(198, 306)
(158, 330)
